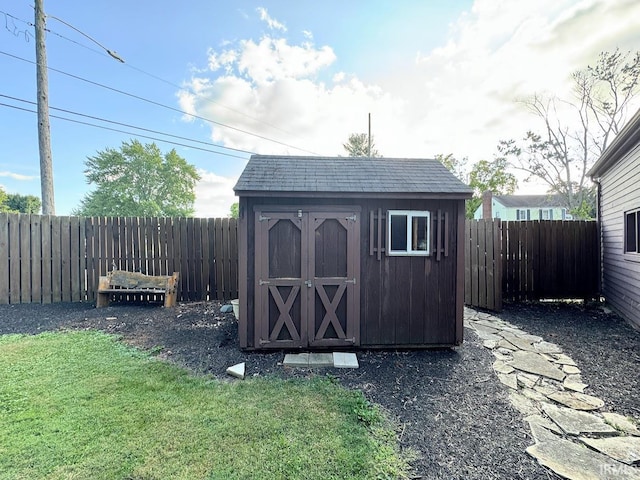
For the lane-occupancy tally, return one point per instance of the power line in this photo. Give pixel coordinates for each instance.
(130, 126)
(110, 52)
(114, 55)
(125, 132)
(153, 102)
(133, 67)
(155, 77)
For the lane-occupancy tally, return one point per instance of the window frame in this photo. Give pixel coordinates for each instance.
(628, 252)
(523, 214)
(409, 214)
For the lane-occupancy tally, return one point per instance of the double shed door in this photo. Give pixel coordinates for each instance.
(307, 278)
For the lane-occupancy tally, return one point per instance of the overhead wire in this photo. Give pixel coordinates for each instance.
(117, 57)
(129, 125)
(125, 132)
(153, 102)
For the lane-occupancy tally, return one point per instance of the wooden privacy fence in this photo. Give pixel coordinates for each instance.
(46, 259)
(530, 260)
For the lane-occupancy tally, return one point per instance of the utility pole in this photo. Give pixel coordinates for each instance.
(44, 130)
(369, 148)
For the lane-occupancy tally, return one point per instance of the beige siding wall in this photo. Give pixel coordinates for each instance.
(620, 187)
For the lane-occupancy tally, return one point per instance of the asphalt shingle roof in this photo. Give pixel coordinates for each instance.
(530, 201)
(271, 173)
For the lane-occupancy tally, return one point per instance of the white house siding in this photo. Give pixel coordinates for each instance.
(620, 192)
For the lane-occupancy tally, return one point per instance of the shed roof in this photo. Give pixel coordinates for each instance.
(530, 201)
(628, 138)
(351, 176)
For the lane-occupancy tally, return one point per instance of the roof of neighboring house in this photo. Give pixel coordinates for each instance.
(530, 201)
(628, 137)
(349, 175)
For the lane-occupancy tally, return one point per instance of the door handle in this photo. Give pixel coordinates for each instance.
(308, 283)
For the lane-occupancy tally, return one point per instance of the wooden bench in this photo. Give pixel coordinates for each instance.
(120, 281)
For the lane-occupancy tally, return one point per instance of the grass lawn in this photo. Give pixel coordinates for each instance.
(82, 405)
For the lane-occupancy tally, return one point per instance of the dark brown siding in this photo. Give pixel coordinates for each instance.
(405, 301)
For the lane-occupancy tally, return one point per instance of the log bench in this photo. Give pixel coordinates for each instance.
(123, 282)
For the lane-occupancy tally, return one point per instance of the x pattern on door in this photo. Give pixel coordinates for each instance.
(307, 268)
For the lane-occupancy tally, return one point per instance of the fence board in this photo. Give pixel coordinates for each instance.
(36, 260)
(467, 264)
(4, 258)
(25, 258)
(14, 261)
(45, 258)
(218, 259)
(529, 260)
(75, 260)
(233, 258)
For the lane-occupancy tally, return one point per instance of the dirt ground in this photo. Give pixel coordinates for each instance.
(448, 404)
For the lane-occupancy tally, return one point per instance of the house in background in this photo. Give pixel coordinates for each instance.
(522, 207)
(617, 175)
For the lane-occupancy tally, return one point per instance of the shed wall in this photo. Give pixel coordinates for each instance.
(621, 272)
(405, 301)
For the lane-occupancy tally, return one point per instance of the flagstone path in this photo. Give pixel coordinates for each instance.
(572, 436)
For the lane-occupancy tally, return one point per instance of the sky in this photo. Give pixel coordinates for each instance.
(229, 78)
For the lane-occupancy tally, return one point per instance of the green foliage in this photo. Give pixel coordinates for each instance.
(235, 210)
(84, 405)
(23, 203)
(483, 176)
(358, 146)
(456, 166)
(138, 180)
(3, 200)
(16, 203)
(489, 176)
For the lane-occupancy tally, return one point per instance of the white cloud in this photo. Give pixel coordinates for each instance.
(18, 176)
(457, 98)
(271, 22)
(214, 195)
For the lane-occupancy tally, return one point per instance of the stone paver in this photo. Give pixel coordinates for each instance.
(570, 370)
(237, 370)
(575, 386)
(296, 360)
(575, 422)
(542, 434)
(546, 347)
(527, 379)
(502, 367)
(544, 422)
(539, 377)
(520, 343)
(533, 363)
(620, 422)
(575, 461)
(345, 360)
(317, 360)
(576, 400)
(510, 380)
(623, 449)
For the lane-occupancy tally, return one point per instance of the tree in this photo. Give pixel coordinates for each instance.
(3, 200)
(575, 132)
(138, 180)
(23, 203)
(358, 146)
(235, 210)
(483, 176)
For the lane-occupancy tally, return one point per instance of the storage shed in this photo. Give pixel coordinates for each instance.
(347, 252)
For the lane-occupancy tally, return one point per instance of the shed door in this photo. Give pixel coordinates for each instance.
(307, 279)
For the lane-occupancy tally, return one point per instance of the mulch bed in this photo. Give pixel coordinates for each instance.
(448, 404)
